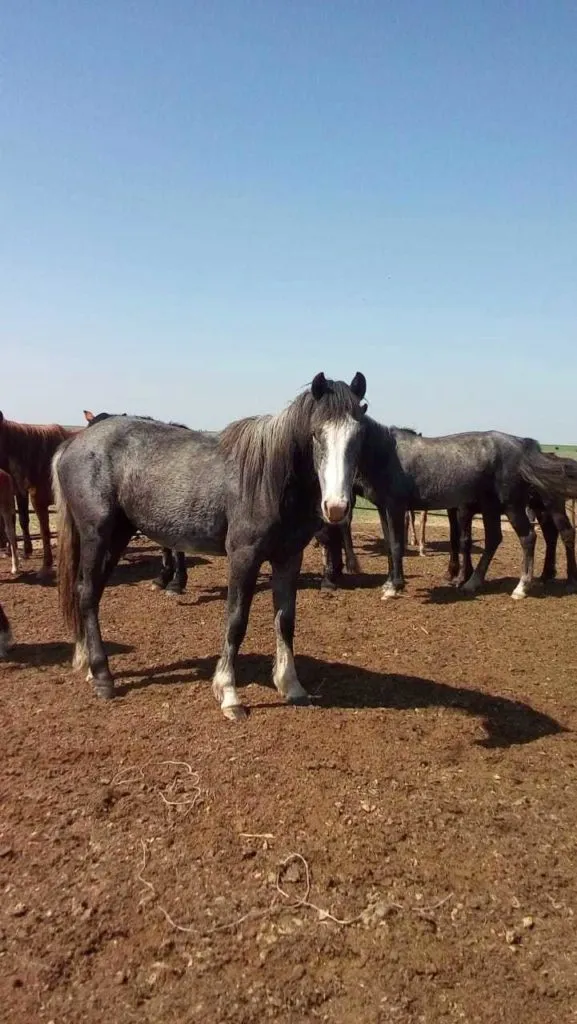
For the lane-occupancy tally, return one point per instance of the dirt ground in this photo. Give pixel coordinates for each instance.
(405, 851)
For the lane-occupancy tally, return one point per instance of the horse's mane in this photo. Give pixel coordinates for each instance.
(30, 446)
(266, 448)
(405, 430)
(136, 416)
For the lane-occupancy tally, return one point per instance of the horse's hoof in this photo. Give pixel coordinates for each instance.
(237, 713)
(104, 689)
(174, 591)
(302, 701)
(158, 585)
(518, 595)
(388, 593)
(327, 584)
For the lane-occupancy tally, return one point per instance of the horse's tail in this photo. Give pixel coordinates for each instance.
(68, 554)
(551, 475)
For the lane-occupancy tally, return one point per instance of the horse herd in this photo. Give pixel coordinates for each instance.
(261, 490)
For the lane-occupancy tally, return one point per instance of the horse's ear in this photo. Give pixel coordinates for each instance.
(319, 386)
(359, 384)
(88, 416)
(364, 408)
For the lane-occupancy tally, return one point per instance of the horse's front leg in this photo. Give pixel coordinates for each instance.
(394, 525)
(351, 561)
(493, 537)
(244, 565)
(465, 520)
(284, 594)
(330, 539)
(178, 583)
(422, 533)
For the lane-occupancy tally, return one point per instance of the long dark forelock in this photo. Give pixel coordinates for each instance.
(264, 448)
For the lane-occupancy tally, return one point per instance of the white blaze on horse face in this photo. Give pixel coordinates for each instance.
(336, 469)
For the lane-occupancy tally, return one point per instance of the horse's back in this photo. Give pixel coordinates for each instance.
(169, 482)
(456, 469)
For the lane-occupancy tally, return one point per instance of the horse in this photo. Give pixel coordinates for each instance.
(6, 639)
(173, 575)
(8, 517)
(492, 470)
(26, 452)
(257, 491)
(399, 468)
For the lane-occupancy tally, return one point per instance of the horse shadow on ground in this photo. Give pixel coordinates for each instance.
(376, 546)
(449, 594)
(53, 653)
(306, 581)
(138, 568)
(507, 723)
(31, 578)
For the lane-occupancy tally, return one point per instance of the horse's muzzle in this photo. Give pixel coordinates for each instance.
(335, 511)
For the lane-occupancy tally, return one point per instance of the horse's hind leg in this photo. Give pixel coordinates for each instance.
(10, 527)
(454, 542)
(41, 504)
(101, 549)
(24, 520)
(550, 536)
(177, 584)
(566, 531)
(393, 526)
(167, 571)
(517, 516)
(284, 593)
(243, 572)
(6, 640)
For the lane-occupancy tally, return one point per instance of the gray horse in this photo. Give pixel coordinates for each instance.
(258, 491)
(490, 470)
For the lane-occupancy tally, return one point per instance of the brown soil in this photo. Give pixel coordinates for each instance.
(431, 795)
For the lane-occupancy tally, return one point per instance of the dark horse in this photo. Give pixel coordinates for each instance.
(258, 491)
(173, 575)
(491, 471)
(26, 452)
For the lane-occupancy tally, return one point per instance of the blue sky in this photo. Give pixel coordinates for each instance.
(203, 204)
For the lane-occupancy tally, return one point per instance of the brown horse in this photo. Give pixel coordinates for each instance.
(26, 452)
(8, 516)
